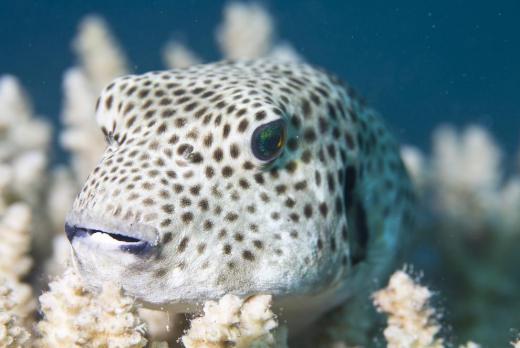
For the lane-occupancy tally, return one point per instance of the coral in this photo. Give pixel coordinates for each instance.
(465, 169)
(469, 220)
(178, 56)
(74, 317)
(98, 52)
(81, 135)
(15, 223)
(61, 194)
(414, 161)
(469, 226)
(242, 323)
(101, 60)
(24, 140)
(246, 32)
(12, 331)
(411, 321)
(15, 240)
(61, 256)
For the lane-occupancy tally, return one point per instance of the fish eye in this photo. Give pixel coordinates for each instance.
(268, 140)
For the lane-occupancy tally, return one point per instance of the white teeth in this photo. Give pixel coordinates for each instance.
(104, 238)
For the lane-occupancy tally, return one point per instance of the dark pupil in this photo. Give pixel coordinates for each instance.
(268, 140)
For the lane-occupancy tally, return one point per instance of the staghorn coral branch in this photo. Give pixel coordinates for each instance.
(75, 317)
(98, 52)
(234, 321)
(246, 32)
(12, 331)
(411, 322)
(178, 56)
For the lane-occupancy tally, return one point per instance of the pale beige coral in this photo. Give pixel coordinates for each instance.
(415, 162)
(516, 344)
(284, 52)
(244, 323)
(465, 169)
(15, 262)
(13, 334)
(99, 52)
(464, 174)
(246, 32)
(19, 129)
(81, 135)
(61, 194)
(177, 56)
(101, 60)
(61, 256)
(74, 317)
(470, 345)
(15, 240)
(24, 140)
(411, 321)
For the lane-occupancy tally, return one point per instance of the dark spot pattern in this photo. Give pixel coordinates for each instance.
(180, 160)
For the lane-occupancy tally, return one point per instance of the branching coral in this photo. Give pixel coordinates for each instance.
(15, 261)
(74, 317)
(473, 214)
(13, 334)
(246, 32)
(24, 140)
(469, 227)
(178, 56)
(411, 321)
(15, 240)
(101, 60)
(233, 321)
(99, 53)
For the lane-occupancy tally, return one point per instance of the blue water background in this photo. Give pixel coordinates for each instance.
(420, 63)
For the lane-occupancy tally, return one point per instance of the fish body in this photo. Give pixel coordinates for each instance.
(244, 178)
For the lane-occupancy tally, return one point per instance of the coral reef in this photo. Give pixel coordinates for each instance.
(100, 60)
(178, 56)
(469, 231)
(411, 320)
(233, 321)
(13, 333)
(246, 32)
(468, 221)
(74, 317)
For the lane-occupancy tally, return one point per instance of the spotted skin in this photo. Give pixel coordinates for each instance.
(179, 172)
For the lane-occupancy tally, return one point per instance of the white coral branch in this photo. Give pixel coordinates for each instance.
(15, 241)
(75, 317)
(98, 51)
(246, 32)
(411, 322)
(12, 331)
(246, 323)
(178, 56)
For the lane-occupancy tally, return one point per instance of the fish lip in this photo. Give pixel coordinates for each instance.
(133, 238)
(126, 243)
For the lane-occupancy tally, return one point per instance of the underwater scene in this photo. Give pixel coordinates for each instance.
(330, 174)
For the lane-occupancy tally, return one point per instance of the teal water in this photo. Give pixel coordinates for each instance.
(419, 63)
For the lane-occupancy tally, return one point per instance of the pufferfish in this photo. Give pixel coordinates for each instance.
(240, 177)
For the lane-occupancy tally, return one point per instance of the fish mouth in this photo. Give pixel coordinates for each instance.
(121, 241)
(115, 235)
